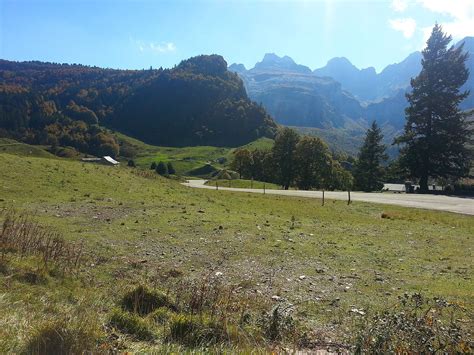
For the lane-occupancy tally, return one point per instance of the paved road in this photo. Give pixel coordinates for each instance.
(463, 205)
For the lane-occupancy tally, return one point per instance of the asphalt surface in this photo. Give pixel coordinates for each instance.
(463, 205)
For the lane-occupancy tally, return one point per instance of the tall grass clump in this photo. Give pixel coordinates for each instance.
(21, 235)
(131, 324)
(65, 336)
(143, 300)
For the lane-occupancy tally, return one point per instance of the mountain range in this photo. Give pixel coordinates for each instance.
(339, 96)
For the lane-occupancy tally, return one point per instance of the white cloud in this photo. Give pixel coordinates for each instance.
(399, 5)
(461, 13)
(407, 26)
(153, 47)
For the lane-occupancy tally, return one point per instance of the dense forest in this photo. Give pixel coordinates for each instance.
(196, 103)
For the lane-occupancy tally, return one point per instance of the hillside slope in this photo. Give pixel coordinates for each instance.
(197, 102)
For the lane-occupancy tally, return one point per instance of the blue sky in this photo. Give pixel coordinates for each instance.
(138, 34)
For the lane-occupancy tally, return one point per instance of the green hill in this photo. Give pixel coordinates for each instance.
(198, 102)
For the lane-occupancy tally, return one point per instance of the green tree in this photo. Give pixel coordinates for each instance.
(369, 172)
(284, 156)
(312, 161)
(242, 162)
(171, 169)
(161, 168)
(436, 132)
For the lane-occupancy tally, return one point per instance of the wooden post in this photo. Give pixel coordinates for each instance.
(251, 183)
(348, 197)
(217, 185)
(323, 198)
(264, 187)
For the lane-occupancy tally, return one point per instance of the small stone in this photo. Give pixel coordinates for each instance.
(218, 273)
(302, 277)
(276, 298)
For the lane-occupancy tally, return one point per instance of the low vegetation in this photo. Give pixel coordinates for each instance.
(241, 271)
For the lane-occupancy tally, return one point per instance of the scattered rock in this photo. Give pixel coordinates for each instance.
(218, 273)
(302, 277)
(276, 298)
(357, 311)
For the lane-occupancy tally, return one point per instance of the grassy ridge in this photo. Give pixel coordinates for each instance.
(186, 159)
(138, 229)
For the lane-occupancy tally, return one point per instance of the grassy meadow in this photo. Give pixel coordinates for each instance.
(186, 159)
(142, 229)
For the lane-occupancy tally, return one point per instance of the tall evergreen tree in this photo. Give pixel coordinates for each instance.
(368, 172)
(284, 155)
(435, 136)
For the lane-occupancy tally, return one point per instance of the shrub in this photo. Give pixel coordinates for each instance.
(162, 169)
(170, 168)
(278, 324)
(141, 300)
(416, 325)
(131, 324)
(153, 166)
(131, 163)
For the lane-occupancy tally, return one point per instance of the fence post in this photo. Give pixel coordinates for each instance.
(264, 187)
(323, 198)
(348, 197)
(251, 183)
(217, 185)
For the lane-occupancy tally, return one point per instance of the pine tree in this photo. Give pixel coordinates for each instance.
(435, 136)
(284, 154)
(368, 172)
(161, 168)
(171, 169)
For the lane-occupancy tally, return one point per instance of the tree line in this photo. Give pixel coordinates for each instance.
(305, 162)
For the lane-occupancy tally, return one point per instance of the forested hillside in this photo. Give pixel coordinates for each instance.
(197, 102)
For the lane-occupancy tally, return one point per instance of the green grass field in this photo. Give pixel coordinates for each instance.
(324, 260)
(186, 159)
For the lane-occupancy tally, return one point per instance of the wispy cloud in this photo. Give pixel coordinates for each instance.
(399, 5)
(406, 26)
(153, 47)
(461, 13)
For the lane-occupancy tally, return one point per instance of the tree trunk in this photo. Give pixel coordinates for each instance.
(424, 184)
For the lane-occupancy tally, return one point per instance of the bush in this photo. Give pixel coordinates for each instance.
(162, 169)
(131, 163)
(141, 300)
(131, 324)
(170, 168)
(153, 166)
(416, 325)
